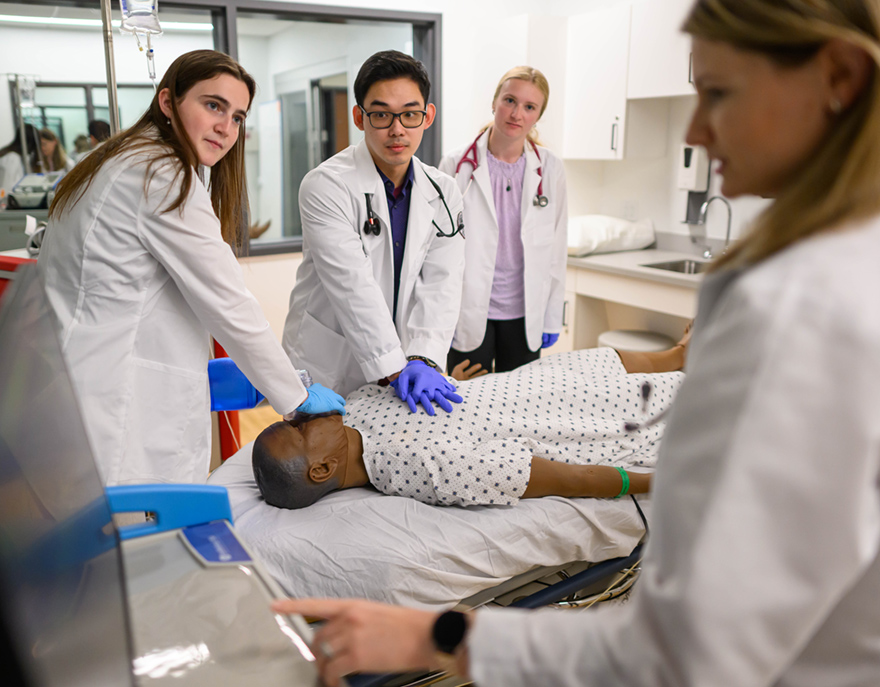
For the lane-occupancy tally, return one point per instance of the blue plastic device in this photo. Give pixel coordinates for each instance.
(230, 389)
(175, 506)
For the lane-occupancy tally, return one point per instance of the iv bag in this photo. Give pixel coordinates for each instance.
(140, 16)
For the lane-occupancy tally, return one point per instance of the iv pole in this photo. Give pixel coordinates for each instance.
(111, 67)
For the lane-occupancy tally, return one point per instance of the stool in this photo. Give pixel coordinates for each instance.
(635, 340)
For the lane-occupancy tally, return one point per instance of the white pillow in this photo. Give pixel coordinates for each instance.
(602, 234)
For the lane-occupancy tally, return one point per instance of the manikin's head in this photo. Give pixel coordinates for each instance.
(296, 463)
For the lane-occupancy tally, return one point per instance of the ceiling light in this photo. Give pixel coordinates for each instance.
(96, 23)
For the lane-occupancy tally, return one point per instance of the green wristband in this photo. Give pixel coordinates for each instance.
(625, 479)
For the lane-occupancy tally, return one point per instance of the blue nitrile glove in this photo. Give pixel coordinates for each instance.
(548, 340)
(421, 383)
(322, 400)
(230, 389)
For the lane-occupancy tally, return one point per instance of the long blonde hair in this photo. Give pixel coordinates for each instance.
(533, 76)
(841, 182)
(228, 183)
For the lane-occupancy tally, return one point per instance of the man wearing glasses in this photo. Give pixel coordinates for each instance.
(378, 293)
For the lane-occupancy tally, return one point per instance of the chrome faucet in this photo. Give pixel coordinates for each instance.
(704, 208)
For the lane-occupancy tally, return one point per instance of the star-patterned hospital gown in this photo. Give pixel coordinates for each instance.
(568, 407)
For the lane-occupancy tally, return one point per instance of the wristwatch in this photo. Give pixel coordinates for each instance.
(427, 361)
(448, 631)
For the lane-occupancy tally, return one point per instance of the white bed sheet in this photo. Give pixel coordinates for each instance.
(360, 543)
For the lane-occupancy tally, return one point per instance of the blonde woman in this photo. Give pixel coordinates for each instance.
(139, 265)
(763, 566)
(53, 152)
(516, 217)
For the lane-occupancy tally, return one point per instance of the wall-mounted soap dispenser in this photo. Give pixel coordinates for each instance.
(693, 169)
(693, 176)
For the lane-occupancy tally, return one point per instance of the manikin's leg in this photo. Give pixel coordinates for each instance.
(549, 478)
(669, 360)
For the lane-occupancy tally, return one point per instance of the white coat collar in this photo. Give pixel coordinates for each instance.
(421, 209)
(369, 180)
(531, 178)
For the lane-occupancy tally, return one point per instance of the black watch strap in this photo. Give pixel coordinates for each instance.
(427, 361)
(448, 632)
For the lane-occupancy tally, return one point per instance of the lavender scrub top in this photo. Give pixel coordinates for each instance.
(508, 298)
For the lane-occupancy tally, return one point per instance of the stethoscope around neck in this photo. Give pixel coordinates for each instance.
(372, 226)
(470, 157)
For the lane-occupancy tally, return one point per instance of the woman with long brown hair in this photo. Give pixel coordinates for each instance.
(139, 262)
(54, 155)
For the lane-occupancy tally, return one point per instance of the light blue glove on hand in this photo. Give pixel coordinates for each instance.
(322, 400)
(421, 383)
(548, 340)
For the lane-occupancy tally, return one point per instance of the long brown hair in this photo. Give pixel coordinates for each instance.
(59, 157)
(840, 182)
(228, 182)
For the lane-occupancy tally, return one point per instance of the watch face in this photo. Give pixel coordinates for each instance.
(449, 630)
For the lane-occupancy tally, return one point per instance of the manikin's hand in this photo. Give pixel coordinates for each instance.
(548, 340)
(322, 400)
(361, 636)
(421, 383)
(462, 372)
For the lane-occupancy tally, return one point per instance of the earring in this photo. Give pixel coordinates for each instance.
(835, 106)
(168, 121)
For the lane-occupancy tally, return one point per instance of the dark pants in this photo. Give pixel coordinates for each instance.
(504, 342)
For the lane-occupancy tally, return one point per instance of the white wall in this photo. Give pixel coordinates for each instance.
(637, 188)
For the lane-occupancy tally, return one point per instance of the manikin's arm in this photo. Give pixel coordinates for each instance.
(550, 478)
(670, 360)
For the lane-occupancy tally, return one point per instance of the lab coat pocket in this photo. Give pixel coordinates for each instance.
(544, 231)
(326, 351)
(169, 424)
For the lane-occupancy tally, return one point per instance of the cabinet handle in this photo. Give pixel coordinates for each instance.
(564, 313)
(691, 69)
(613, 136)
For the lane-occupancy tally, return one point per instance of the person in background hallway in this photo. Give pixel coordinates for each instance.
(53, 152)
(12, 167)
(99, 131)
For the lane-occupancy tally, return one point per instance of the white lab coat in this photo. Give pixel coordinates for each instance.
(762, 567)
(339, 326)
(544, 237)
(137, 293)
(11, 171)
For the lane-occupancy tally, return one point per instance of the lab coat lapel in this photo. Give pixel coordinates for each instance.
(377, 247)
(423, 205)
(531, 180)
(481, 177)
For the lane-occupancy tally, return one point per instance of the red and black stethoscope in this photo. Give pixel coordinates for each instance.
(470, 157)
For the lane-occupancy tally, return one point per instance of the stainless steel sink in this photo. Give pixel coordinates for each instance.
(682, 266)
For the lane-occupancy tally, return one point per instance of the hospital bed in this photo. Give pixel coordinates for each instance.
(361, 543)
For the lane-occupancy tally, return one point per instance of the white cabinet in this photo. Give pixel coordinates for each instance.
(659, 53)
(597, 55)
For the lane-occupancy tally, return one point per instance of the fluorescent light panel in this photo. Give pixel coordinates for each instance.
(96, 23)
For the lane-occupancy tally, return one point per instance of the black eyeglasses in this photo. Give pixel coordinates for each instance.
(411, 119)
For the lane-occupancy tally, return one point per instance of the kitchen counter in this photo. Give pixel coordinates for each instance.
(631, 264)
(617, 291)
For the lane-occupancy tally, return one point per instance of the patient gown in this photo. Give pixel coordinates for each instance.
(568, 407)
